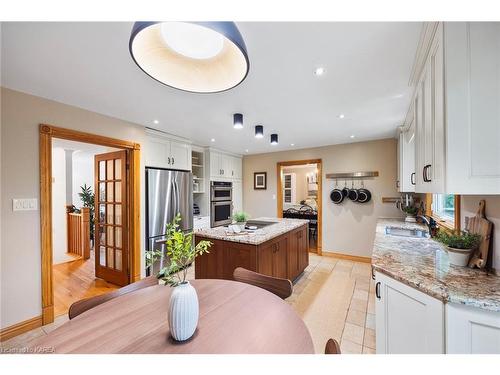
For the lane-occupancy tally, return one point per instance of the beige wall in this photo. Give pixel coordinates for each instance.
(469, 205)
(348, 228)
(20, 231)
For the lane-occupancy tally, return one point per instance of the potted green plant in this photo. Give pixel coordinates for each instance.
(241, 218)
(411, 214)
(183, 309)
(459, 245)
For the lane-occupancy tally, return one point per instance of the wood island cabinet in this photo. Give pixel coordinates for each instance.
(285, 256)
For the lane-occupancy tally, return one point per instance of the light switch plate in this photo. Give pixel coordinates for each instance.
(27, 204)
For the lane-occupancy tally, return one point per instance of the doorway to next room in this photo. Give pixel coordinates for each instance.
(73, 222)
(299, 196)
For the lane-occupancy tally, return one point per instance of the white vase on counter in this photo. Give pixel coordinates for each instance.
(459, 257)
(183, 311)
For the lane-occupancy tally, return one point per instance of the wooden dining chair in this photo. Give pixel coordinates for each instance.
(332, 347)
(283, 288)
(88, 303)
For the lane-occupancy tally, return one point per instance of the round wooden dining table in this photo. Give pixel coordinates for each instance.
(234, 318)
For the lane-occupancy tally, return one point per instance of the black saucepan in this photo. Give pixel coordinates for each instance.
(353, 193)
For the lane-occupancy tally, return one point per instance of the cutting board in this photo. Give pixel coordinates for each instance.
(480, 225)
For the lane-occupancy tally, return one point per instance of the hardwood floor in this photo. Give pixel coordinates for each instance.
(74, 281)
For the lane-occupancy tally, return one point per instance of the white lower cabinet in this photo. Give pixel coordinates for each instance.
(472, 330)
(407, 321)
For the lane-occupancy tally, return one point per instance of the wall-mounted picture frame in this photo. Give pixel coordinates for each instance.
(260, 180)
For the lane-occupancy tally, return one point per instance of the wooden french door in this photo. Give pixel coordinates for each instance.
(111, 245)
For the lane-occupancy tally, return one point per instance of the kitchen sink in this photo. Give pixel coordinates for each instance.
(259, 224)
(405, 232)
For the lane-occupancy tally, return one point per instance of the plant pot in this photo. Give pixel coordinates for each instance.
(242, 225)
(459, 257)
(183, 311)
(411, 219)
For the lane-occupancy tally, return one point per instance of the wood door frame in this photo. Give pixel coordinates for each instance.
(319, 164)
(47, 133)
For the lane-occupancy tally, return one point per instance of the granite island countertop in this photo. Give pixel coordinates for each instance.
(262, 235)
(423, 264)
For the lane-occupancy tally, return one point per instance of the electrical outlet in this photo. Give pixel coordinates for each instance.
(28, 204)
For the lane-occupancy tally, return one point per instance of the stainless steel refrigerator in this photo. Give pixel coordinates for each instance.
(167, 194)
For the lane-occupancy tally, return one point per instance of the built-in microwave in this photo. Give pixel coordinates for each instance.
(221, 191)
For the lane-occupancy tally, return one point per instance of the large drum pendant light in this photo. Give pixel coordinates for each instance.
(200, 57)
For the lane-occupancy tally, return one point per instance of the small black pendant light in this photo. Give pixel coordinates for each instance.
(274, 139)
(238, 121)
(259, 131)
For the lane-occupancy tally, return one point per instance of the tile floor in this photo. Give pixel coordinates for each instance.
(336, 299)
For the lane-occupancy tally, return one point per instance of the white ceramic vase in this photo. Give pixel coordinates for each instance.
(411, 219)
(183, 311)
(459, 257)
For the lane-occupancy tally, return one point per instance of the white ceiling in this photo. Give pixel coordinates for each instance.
(367, 71)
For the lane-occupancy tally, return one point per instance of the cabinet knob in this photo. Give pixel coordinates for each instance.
(169, 160)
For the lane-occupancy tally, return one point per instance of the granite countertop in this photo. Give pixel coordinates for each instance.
(423, 264)
(262, 235)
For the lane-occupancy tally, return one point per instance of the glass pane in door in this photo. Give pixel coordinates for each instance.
(102, 256)
(102, 170)
(110, 192)
(109, 170)
(111, 262)
(118, 263)
(118, 169)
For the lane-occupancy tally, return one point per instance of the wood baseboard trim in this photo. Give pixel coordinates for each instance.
(19, 328)
(355, 258)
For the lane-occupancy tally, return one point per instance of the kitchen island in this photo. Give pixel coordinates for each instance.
(279, 248)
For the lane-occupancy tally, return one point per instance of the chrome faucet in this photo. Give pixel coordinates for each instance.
(430, 222)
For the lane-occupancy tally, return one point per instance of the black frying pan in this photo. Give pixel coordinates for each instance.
(337, 195)
(364, 195)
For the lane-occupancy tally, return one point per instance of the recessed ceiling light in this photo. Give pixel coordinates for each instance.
(212, 140)
(341, 115)
(292, 144)
(246, 150)
(352, 136)
(319, 71)
(156, 121)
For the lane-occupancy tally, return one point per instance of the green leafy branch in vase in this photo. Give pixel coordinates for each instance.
(180, 251)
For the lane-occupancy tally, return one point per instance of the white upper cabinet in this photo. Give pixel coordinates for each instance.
(472, 56)
(180, 154)
(163, 152)
(406, 155)
(457, 111)
(429, 121)
(224, 166)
